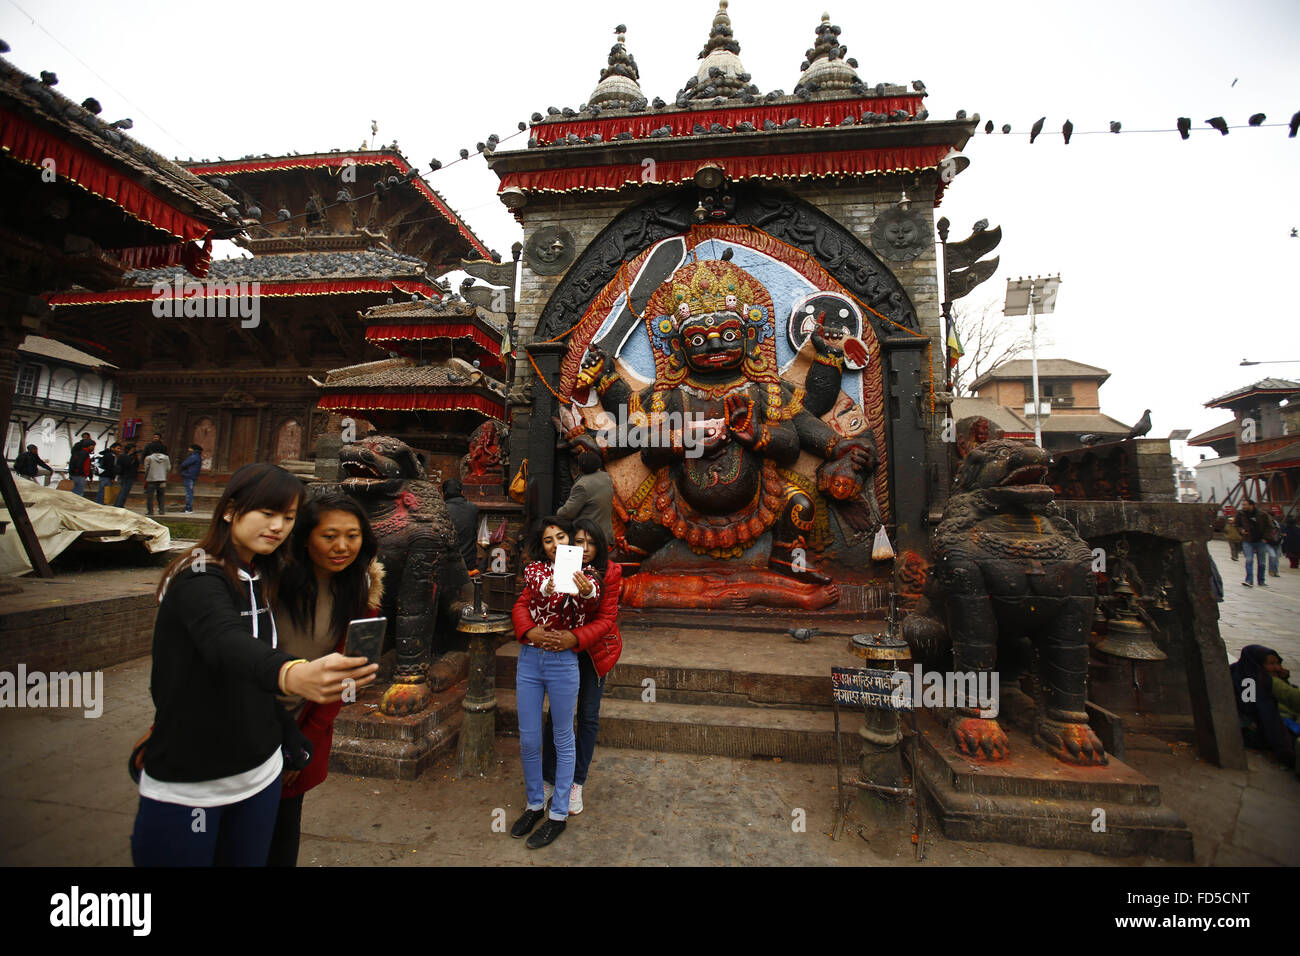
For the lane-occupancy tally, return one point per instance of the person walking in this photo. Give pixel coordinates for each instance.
(1272, 538)
(592, 496)
(598, 644)
(1291, 542)
(1253, 530)
(156, 467)
(191, 465)
(107, 469)
(333, 578)
(210, 769)
(464, 517)
(79, 465)
(128, 473)
(29, 463)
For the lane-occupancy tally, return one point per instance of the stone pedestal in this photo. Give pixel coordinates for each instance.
(1033, 799)
(368, 743)
(478, 728)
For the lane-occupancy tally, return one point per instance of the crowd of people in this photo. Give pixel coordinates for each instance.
(120, 466)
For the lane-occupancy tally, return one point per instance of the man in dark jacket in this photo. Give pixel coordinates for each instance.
(464, 515)
(79, 465)
(155, 446)
(107, 469)
(128, 472)
(1255, 528)
(191, 465)
(29, 463)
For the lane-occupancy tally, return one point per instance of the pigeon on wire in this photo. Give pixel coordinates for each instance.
(1115, 126)
(988, 127)
(1219, 123)
(464, 154)
(802, 634)
(1257, 119)
(1036, 129)
(1006, 128)
(1295, 125)
(536, 117)
(1185, 127)
(1142, 427)
(1067, 130)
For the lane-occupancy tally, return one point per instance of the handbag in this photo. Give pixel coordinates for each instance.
(519, 484)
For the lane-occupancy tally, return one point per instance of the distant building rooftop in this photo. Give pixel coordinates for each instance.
(1275, 387)
(48, 348)
(1047, 368)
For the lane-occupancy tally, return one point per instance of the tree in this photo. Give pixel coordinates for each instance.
(989, 339)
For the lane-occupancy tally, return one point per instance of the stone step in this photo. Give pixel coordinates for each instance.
(750, 733)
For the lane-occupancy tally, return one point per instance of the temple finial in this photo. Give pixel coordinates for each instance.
(825, 67)
(618, 87)
(721, 74)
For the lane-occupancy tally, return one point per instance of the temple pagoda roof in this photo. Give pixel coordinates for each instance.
(1217, 434)
(402, 385)
(1274, 388)
(401, 325)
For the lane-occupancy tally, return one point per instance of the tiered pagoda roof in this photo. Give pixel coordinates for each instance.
(423, 328)
(403, 385)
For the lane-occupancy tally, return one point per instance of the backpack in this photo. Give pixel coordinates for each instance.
(77, 463)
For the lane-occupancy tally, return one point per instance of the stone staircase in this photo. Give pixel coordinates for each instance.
(702, 690)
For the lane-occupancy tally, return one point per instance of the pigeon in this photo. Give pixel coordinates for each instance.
(570, 113)
(594, 138)
(1295, 125)
(1115, 126)
(1219, 123)
(852, 62)
(802, 634)
(847, 121)
(923, 115)
(621, 28)
(493, 139)
(1091, 439)
(918, 86)
(1067, 130)
(717, 128)
(435, 165)
(479, 147)
(1255, 120)
(658, 103)
(284, 215)
(533, 143)
(343, 196)
(698, 128)
(988, 127)
(661, 132)
(254, 212)
(4, 47)
(126, 124)
(793, 123)
(1036, 128)
(804, 65)
(572, 138)
(552, 111)
(880, 88)
(691, 81)
(464, 154)
(1184, 127)
(626, 134)
(536, 117)
(768, 124)
(749, 127)
(727, 253)
(48, 78)
(521, 126)
(980, 226)
(91, 105)
(1142, 427)
(961, 114)
(1006, 128)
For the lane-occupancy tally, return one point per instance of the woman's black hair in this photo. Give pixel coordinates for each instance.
(534, 544)
(251, 488)
(350, 587)
(601, 559)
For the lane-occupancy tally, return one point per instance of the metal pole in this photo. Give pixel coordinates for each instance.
(1033, 351)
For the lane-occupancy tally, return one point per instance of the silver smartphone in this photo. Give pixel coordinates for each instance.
(366, 638)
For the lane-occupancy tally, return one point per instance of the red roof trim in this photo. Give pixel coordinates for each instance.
(862, 162)
(267, 290)
(32, 145)
(426, 400)
(429, 331)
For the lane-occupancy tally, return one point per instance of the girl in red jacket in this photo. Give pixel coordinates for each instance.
(333, 579)
(599, 644)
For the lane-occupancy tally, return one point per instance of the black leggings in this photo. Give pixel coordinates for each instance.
(288, 826)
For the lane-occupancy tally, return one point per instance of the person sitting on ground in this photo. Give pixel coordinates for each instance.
(599, 644)
(592, 496)
(333, 578)
(1256, 676)
(29, 463)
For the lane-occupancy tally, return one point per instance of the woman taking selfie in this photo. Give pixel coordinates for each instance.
(598, 644)
(543, 614)
(333, 578)
(211, 768)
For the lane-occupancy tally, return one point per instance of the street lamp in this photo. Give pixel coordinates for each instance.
(1284, 362)
(1036, 296)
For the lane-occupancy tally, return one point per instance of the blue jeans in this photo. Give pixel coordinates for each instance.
(126, 484)
(189, 493)
(590, 690)
(1274, 554)
(79, 485)
(238, 834)
(554, 674)
(1255, 552)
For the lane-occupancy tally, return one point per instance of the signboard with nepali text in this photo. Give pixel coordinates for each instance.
(886, 690)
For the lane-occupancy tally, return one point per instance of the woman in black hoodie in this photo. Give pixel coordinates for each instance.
(210, 785)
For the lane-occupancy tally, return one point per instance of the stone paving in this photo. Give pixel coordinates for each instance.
(1269, 616)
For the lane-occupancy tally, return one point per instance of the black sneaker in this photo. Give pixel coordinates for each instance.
(1263, 584)
(545, 834)
(524, 825)
(1247, 584)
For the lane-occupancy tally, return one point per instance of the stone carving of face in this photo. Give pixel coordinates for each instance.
(901, 234)
(713, 342)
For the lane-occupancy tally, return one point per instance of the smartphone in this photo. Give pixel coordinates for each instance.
(568, 559)
(366, 638)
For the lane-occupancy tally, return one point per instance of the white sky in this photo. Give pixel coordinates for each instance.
(1176, 257)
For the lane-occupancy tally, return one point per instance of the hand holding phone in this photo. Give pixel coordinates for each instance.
(366, 638)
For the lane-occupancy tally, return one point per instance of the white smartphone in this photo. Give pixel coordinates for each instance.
(568, 559)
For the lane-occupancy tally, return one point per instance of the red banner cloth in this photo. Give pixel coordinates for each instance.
(216, 290)
(640, 125)
(428, 331)
(794, 166)
(413, 401)
(30, 144)
(338, 160)
(194, 258)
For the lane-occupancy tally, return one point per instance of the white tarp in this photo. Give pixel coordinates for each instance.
(60, 517)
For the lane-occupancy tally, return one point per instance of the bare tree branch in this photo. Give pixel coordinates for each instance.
(989, 338)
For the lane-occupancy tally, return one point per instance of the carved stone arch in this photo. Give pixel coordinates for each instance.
(771, 209)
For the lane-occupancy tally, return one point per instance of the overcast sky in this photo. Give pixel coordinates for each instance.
(1176, 257)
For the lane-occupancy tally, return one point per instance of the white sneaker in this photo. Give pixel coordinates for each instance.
(575, 799)
(548, 789)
